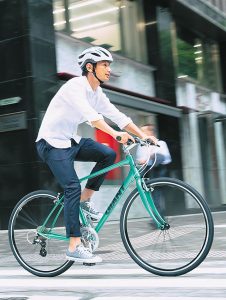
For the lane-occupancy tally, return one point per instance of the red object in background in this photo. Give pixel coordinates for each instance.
(109, 141)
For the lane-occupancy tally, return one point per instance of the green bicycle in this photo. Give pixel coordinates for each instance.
(178, 242)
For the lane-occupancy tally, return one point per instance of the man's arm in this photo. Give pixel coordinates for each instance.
(102, 125)
(134, 129)
(125, 123)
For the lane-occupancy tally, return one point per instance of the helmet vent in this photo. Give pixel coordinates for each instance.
(105, 53)
(81, 56)
(96, 54)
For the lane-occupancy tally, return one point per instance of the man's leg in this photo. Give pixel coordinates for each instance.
(104, 157)
(86, 194)
(99, 153)
(65, 174)
(61, 164)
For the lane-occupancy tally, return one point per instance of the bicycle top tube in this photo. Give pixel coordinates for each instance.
(112, 167)
(127, 161)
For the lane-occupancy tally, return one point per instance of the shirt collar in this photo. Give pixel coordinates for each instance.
(88, 86)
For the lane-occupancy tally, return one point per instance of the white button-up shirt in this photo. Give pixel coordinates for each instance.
(73, 104)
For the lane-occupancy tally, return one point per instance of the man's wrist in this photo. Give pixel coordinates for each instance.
(143, 136)
(115, 134)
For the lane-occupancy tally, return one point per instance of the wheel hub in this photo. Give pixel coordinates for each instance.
(165, 226)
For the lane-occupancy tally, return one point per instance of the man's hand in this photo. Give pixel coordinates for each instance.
(151, 138)
(123, 137)
(131, 127)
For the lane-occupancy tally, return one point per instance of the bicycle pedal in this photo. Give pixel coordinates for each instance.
(89, 264)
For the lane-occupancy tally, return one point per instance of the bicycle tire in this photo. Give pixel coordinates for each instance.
(30, 213)
(174, 251)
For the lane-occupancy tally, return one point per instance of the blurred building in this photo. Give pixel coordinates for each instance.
(168, 70)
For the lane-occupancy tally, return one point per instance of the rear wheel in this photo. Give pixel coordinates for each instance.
(180, 246)
(38, 255)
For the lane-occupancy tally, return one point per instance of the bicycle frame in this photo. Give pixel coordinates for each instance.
(141, 187)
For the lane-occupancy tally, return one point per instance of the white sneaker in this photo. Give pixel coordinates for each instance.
(88, 209)
(83, 255)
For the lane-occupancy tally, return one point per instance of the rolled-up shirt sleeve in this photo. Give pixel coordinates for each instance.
(111, 112)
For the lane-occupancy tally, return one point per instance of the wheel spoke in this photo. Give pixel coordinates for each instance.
(38, 255)
(175, 250)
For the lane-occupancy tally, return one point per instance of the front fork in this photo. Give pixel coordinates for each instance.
(149, 204)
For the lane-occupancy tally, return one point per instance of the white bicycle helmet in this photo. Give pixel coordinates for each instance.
(93, 55)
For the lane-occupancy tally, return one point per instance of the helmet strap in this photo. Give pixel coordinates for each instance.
(94, 73)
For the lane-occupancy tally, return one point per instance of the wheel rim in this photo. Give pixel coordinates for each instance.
(173, 251)
(40, 256)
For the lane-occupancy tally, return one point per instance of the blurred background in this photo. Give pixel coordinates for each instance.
(169, 70)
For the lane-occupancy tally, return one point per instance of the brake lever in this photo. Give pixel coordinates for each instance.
(137, 141)
(145, 142)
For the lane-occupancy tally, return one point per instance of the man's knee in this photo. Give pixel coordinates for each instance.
(106, 155)
(111, 155)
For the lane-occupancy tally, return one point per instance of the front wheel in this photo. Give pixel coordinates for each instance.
(40, 256)
(178, 247)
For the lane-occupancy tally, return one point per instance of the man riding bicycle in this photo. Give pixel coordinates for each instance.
(79, 100)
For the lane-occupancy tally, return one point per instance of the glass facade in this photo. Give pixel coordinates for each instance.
(219, 4)
(215, 10)
(198, 59)
(104, 23)
(59, 15)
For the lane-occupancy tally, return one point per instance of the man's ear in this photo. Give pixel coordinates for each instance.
(89, 67)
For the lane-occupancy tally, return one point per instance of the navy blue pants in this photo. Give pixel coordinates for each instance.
(61, 163)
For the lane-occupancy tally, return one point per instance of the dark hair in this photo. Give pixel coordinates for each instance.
(84, 69)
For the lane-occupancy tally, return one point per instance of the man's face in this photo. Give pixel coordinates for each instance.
(103, 70)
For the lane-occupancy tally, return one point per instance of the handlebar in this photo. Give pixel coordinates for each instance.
(137, 141)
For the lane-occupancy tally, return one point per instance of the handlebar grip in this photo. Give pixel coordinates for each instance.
(137, 140)
(119, 138)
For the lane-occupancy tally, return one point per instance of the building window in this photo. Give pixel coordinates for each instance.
(96, 22)
(198, 59)
(59, 15)
(117, 25)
